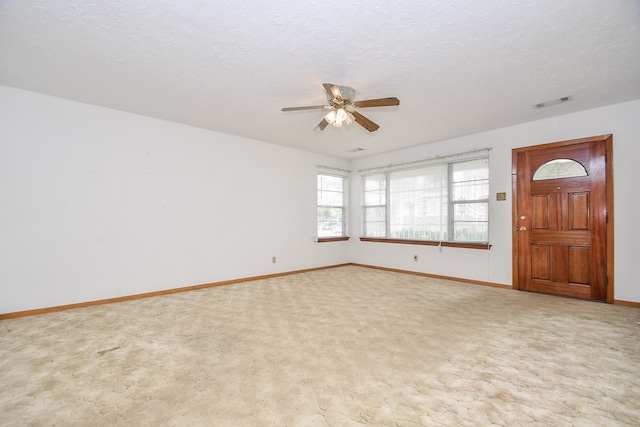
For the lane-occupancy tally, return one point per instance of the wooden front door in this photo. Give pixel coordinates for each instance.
(561, 205)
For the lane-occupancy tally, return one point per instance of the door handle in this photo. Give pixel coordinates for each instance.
(522, 229)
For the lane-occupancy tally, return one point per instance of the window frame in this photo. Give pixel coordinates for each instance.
(451, 203)
(343, 236)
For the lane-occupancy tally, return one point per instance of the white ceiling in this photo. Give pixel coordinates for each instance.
(457, 66)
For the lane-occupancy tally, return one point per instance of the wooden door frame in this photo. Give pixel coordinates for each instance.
(608, 142)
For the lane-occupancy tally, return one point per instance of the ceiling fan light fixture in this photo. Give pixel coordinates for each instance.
(337, 117)
(350, 119)
(341, 116)
(331, 117)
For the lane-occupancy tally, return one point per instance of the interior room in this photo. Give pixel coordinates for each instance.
(155, 150)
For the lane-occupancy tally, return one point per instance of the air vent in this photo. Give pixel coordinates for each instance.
(355, 150)
(553, 102)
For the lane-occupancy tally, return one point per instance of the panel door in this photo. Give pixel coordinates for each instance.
(561, 219)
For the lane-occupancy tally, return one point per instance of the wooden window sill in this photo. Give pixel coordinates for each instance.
(332, 239)
(467, 245)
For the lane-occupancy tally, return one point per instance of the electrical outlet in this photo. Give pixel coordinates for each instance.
(415, 257)
(273, 260)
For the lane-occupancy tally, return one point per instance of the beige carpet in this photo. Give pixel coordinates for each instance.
(348, 346)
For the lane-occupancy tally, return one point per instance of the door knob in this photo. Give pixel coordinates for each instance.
(522, 229)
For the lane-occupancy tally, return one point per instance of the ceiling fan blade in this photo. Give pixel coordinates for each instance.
(331, 93)
(310, 107)
(364, 122)
(323, 124)
(380, 102)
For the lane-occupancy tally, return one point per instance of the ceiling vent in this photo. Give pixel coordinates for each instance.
(554, 102)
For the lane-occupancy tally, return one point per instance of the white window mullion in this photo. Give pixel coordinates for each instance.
(387, 204)
(450, 231)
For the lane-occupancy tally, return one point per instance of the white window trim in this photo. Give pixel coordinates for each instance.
(345, 211)
(389, 169)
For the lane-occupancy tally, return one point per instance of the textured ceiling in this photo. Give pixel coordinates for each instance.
(458, 67)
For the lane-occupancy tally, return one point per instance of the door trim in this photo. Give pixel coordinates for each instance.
(608, 142)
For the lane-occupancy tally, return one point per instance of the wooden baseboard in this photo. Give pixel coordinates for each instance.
(25, 313)
(475, 282)
(154, 294)
(627, 303)
(436, 276)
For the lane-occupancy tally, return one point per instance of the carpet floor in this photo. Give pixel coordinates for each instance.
(347, 346)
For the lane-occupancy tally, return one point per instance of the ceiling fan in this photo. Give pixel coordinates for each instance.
(343, 107)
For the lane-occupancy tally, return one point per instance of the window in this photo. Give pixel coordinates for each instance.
(559, 168)
(439, 202)
(331, 206)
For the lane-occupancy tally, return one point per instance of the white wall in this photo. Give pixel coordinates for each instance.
(97, 203)
(621, 120)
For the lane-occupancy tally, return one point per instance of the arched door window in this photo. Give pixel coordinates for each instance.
(559, 168)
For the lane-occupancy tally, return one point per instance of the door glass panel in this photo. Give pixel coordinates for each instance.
(559, 168)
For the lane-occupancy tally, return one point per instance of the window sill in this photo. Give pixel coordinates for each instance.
(467, 245)
(332, 239)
